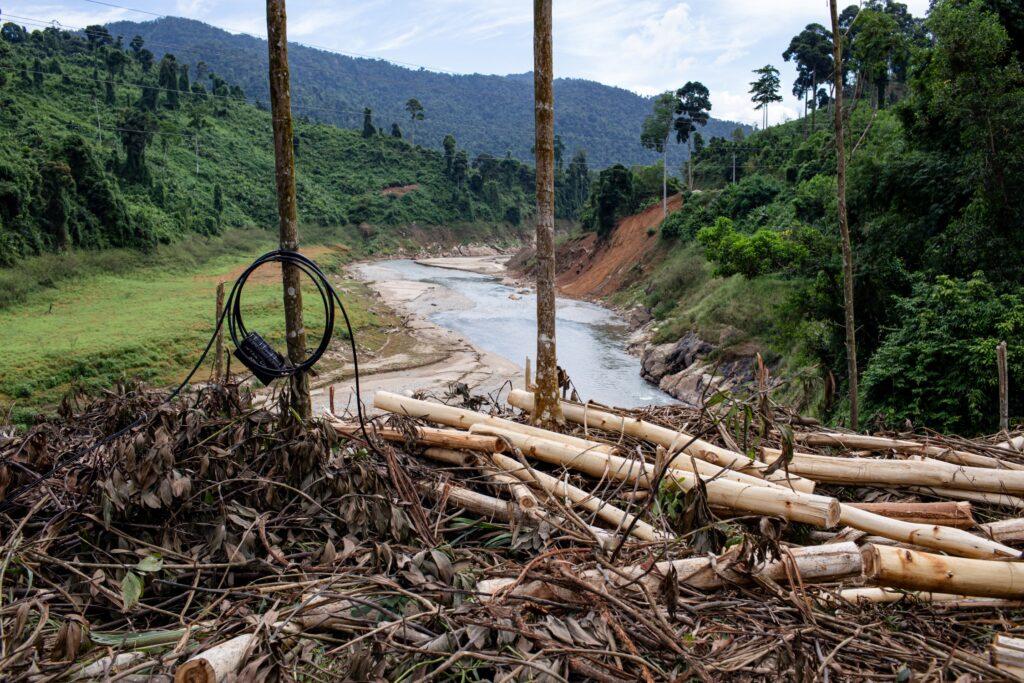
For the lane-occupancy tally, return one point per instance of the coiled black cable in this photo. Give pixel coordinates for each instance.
(232, 313)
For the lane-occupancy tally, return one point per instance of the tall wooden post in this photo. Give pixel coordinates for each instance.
(284, 155)
(844, 225)
(218, 347)
(547, 409)
(1004, 387)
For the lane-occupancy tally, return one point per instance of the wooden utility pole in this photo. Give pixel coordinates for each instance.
(547, 409)
(844, 225)
(1004, 388)
(218, 347)
(284, 156)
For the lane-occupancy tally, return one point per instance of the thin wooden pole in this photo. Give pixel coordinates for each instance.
(548, 411)
(1004, 389)
(844, 225)
(284, 156)
(218, 348)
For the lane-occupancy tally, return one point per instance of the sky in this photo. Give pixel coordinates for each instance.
(647, 46)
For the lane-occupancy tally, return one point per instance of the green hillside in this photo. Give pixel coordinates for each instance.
(101, 147)
(488, 114)
(935, 211)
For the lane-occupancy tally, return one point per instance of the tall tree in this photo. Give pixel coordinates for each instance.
(877, 47)
(396, 132)
(765, 90)
(693, 110)
(136, 128)
(415, 109)
(369, 130)
(547, 410)
(811, 50)
(844, 225)
(449, 153)
(655, 135)
(168, 80)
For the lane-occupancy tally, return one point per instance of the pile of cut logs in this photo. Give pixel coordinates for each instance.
(932, 552)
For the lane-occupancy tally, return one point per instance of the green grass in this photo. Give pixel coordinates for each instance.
(148, 322)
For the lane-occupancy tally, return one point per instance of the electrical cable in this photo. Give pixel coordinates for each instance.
(232, 314)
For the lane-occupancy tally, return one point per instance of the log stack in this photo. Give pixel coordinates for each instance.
(916, 548)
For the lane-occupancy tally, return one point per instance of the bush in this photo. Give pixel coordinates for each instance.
(741, 198)
(815, 199)
(765, 251)
(939, 363)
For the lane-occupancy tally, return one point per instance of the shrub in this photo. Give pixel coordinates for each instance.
(939, 362)
(741, 198)
(765, 251)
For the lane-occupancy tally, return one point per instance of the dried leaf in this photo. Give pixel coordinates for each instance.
(131, 590)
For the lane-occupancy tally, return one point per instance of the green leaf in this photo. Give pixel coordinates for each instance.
(150, 564)
(131, 590)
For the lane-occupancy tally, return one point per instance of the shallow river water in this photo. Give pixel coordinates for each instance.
(494, 317)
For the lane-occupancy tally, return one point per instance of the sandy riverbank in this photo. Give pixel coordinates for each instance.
(423, 356)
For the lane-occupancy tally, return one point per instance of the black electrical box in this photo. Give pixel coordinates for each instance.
(255, 349)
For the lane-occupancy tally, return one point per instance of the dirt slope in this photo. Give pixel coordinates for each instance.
(592, 269)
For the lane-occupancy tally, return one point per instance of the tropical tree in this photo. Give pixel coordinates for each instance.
(693, 110)
(396, 132)
(876, 48)
(168, 80)
(369, 130)
(415, 109)
(655, 135)
(765, 90)
(136, 128)
(811, 51)
(449, 153)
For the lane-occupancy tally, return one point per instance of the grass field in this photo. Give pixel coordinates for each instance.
(148, 322)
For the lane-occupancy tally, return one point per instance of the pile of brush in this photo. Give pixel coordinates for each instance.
(215, 541)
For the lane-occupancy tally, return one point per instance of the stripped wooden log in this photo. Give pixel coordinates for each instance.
(430, 436)
(1007, 655)
(685, 464)
(449, 456)
(505, 481)
(464, 419)
(956, 514)
(954, 541)
(611, 514)
(876, 596)
(872, 471)
(1004, 530)
(801, 507)
(1000, 499)
(812, 564)
(876, 443)
(216, 663)
(670, 439)
(477, 503)
(919, 571)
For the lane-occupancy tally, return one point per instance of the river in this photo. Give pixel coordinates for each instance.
(501, 320)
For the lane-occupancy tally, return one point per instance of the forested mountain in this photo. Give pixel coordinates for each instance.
(101, 145)
(489, 114)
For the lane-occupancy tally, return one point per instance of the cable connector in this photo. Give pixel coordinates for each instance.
(259, 356)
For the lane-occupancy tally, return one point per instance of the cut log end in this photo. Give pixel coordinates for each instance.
(195, 671)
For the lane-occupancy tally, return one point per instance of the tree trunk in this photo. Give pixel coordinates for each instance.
(913, 570)
(284, 156)
(689, 163)
(218, 348)
(664, 179)
(844, 226)
(548, 412)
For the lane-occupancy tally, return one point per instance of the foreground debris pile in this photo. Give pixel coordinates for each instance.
(213, 542)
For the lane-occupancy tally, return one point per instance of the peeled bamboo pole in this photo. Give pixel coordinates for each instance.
(430, 436)
(887, 595)
(449, 456)
(464, 419)
(1004, 530)
(876, 443)
(216, 663)
(954, 514)
(477, 503)
(976, 496)
(826, 468)
(1008, 655)
(816, 563)
(588, 501)
(913, 570)
(668, 438)
(801, 507)
(685, 464)
(955, 541)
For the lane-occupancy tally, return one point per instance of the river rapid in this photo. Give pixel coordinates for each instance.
(501, 319)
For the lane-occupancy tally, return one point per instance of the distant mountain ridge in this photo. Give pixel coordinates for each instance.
(486, 114)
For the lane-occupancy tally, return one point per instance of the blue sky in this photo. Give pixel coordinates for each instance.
(643, 45)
